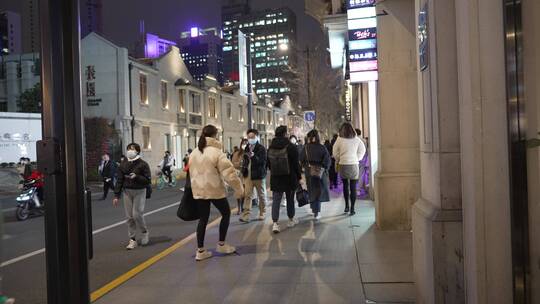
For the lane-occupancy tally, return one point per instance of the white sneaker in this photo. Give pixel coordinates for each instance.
(225, 248)
(262, 216)
(318, 216)
(203, 255)
(292, 222)
(145, 239)
(131, 245)
(283, 203)
(275, 228)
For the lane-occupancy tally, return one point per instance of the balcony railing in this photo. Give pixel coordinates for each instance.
(195, 119)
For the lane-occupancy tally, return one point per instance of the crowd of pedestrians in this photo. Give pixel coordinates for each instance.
(289, 164)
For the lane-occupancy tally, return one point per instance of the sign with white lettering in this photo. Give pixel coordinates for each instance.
(362, 24)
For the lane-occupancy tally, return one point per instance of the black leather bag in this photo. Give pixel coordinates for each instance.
(302, 197)
(187, 210)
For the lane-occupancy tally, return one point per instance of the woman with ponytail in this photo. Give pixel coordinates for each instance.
(209, 169)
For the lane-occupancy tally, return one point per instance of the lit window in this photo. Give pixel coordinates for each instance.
(164, 95)
(229, 110)
(196, 103)
(181, 102)
(143, 89)
(146, 138)
(240, 113)
(212, 107)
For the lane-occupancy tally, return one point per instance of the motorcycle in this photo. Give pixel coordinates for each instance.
(29, 202)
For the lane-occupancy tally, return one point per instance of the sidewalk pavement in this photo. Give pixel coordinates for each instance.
(340, 259)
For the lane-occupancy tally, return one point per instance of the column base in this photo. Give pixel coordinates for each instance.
(395, 193)
(437, 254)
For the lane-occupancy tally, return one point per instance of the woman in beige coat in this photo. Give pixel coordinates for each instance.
(237, 159)
(208, 168)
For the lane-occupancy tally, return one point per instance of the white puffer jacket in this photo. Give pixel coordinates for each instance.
(210, 170)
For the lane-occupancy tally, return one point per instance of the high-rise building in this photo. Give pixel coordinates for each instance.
(201, 50)
(91, 17)
(10, 33)
(30, 30)
(273, 47)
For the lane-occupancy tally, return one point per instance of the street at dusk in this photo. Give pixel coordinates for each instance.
(285, 151)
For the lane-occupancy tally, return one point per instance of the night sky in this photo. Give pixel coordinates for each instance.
(168, 18)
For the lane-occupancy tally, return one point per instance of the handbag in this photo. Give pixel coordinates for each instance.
(302, 197)
(314, 170)
(187, 210)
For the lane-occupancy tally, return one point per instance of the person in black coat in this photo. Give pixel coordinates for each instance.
(315, 154)
(107, 170)
(280, 181)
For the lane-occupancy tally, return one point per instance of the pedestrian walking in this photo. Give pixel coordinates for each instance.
(208, 167)
(285, 174)
(237, 159)
(348, 151)
(133, 178)
(185, 160)
(332, 172)
(107, 171)
(316, 162)
(166, 165)
(254, 172)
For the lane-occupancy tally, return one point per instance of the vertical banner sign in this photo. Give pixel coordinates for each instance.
(423, 46)
(362, 24)
(91, 99)
(243, 63)
(348, 102)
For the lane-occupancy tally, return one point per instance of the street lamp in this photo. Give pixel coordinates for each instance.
(284, 47)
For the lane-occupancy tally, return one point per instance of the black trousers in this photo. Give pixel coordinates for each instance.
(349, 191)
(333, 175)
(106, 186)
(168, 173)
(203, 207)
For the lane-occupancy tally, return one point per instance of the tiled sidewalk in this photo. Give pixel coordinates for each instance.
(340, 259)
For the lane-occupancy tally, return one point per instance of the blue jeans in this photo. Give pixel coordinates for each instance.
(276, 204)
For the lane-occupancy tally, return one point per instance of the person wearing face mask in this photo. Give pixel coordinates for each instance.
(254, 172)
(237, 158)
(133, 177)
(107, 170)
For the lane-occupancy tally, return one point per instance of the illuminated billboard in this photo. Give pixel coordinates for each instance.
(362, 25)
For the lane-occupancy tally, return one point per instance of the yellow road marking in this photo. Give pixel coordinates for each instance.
(141, 267)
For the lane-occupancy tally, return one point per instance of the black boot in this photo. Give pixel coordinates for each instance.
(346, 208)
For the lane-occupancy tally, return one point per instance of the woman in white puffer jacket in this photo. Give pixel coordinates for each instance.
(348, 151)
(209, 169)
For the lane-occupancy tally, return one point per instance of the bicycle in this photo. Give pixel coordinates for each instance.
(162, 180)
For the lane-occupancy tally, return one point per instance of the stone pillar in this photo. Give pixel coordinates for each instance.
(397, 181)
(437, 224)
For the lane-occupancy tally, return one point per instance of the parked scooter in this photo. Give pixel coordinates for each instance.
(29, 202)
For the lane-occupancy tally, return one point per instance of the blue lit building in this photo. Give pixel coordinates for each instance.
(201, 51)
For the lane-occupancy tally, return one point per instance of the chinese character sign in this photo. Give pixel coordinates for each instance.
(90, 81)
(362, 24)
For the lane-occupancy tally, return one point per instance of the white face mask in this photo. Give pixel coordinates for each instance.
(131, 154)
(293, 141)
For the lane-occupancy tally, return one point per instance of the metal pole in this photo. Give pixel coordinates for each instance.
(250, 80)
(132, 122)
(61, 154)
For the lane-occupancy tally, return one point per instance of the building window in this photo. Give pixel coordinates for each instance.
(212, 107)
(260, 118)
(143, 89)
(167, 143)
(196, 103)
(240, 113)
(229, 110)
(269, 117)
(164, 95)
(181, 102)
(146, 138)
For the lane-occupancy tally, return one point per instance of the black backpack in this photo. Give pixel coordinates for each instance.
(279, 161)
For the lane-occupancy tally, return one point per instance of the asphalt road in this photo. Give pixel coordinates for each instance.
(24, 277)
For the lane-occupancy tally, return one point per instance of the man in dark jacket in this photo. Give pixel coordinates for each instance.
(285, 174)
(254, 172)
(133, 178)
(107, 170)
